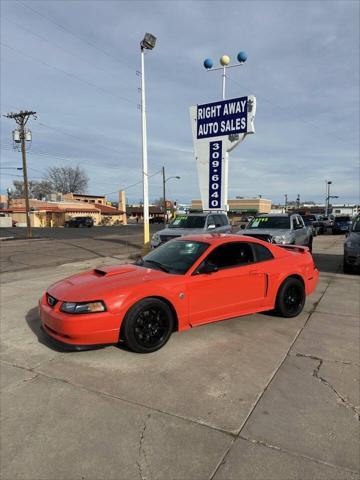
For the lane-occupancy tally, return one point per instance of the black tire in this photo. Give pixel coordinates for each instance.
(147, 325)
(290, 299)
(347, 268)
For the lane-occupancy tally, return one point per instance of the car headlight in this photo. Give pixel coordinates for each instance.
(83, 307)
(156, 237)
(282, 239)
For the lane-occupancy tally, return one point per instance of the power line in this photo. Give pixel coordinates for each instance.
(67, 73)
(62, 48)
(93, 45)
(76, 137)
(132, 185)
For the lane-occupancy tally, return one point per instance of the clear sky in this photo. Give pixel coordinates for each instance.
(75, 63)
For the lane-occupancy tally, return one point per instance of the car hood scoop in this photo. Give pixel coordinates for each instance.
(113, 270)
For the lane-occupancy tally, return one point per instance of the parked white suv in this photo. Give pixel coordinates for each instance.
(192, 224)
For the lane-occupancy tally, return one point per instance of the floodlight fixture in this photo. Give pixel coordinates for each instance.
(148, 41)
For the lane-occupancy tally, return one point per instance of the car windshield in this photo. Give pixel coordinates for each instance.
(188, 221)
(342, 219)
(176, 256)
(270, 222)
(356, 225)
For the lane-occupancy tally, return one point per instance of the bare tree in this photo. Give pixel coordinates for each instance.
(67, 179)
(36, 189)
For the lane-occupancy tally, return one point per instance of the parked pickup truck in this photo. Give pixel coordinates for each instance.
(284, 229)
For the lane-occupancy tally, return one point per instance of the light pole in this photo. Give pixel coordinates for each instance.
(164, 192)
(328, 197)
(148, 43)
(286, 201)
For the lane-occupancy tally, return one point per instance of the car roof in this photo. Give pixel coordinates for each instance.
(285, 215)
(202, 214)
(218, 238)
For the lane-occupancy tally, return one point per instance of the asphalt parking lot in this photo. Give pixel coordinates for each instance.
(256, 397)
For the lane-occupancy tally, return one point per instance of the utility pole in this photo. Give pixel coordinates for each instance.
(298, 201)
(164, 194)
(286, 201)
(21, 119)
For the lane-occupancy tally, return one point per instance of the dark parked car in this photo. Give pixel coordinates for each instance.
(352, 248)
(156, 220)
(341, 224)
(80, 222)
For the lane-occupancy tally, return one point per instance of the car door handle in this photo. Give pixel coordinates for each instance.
(255, 272)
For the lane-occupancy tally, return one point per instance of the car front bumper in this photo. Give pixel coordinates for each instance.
(352, 256)
(81, 330)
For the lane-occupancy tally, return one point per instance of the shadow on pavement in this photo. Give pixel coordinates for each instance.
(33, 321)
(328, 262)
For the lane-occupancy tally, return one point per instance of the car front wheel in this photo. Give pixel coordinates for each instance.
(147, 325)
(290, 299)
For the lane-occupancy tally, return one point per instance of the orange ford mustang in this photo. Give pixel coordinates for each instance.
(186, 282)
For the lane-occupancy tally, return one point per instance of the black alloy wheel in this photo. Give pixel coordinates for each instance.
(290, 299)
(148, 325)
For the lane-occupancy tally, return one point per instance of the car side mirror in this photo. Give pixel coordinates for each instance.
(211, 226)
(206, 268)
(243, 226)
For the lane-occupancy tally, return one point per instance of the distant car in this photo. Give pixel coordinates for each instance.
(80, 222)
(284, 229)
(352, 248)
(313, 222)
(187, 282)
(192, 224)
(156, 220)
(341, 224)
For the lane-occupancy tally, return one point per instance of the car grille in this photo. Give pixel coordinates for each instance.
(51, 301)
(166, 238)
(264, 237)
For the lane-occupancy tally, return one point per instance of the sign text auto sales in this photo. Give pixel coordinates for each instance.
(227, 117)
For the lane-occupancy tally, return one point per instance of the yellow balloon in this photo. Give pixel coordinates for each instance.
(224, 60)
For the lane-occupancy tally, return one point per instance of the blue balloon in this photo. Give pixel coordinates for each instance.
(242, 57)
(208, 63)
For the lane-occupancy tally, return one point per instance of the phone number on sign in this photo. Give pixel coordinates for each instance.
(215, 167)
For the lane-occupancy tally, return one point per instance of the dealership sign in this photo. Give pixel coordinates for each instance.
(217, 129)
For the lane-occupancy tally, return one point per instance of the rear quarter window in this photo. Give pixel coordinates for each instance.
(262, 253)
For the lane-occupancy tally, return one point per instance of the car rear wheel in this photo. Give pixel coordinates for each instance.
(290, 299)
(148, 325)
(347, 268)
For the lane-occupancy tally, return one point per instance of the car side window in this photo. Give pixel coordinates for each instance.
(294, 223)
(211, 220)
(231, 255)
(262, 253)
(300, 222)
(224, 220)
(218, 221)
